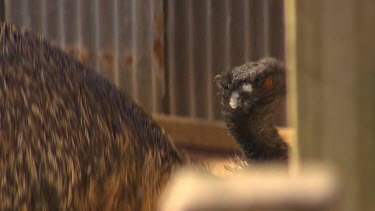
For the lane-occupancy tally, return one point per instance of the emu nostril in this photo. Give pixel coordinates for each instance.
(233, 101)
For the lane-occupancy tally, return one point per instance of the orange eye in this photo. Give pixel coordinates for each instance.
(268, 83)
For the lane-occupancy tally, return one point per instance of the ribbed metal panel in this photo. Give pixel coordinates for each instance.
(207, 37)
(124, 41)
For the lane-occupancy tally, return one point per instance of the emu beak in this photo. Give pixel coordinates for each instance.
(217, 81)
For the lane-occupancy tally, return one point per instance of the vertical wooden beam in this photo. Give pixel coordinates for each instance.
(330, 53)
(290, 54)
(364, 22)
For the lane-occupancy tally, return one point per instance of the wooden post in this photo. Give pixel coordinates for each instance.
(331, 53)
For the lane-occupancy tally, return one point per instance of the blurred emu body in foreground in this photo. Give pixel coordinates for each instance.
(71, 140)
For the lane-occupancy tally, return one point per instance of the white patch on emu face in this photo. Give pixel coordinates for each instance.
(247, 87)
(233, 101)
(234, 97)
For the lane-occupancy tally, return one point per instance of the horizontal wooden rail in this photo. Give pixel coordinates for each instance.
(203, 134)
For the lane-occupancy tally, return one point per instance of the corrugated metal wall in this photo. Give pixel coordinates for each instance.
(122, 40)
(205, 38)
(163, 53)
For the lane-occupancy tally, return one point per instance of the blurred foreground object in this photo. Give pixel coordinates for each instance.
(314, 188)
(69, 139)
(330, 58)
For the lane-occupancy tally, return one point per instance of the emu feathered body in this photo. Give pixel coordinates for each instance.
(69, 139)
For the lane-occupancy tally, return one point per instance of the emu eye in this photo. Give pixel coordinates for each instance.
(268, 83)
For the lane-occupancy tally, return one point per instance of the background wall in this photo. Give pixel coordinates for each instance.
(164, 53)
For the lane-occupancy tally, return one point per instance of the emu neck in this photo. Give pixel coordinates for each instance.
(256, 134)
